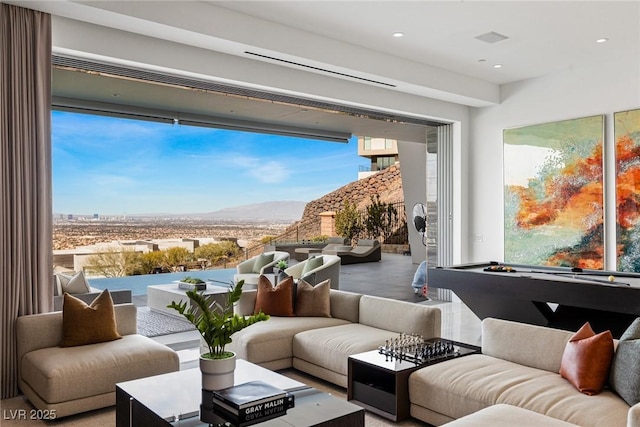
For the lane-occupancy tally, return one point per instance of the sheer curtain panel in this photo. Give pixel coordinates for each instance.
(25, 176)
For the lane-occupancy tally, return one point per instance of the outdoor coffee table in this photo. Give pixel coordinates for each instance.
(160, 296)
(174, 399)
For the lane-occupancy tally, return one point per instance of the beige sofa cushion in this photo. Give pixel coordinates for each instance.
(345, 305)
(468, 384)
(272, 340)
(529, 345)
(331, 347)
(507, 416)
(400, 316)
(59, 374)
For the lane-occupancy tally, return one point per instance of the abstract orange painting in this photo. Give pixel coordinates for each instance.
(554, 194)
(627, 134)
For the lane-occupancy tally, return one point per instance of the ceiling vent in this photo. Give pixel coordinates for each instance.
(491, 37)
(323, 70)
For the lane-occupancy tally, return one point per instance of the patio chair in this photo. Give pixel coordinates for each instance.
(317, 269)
(251, 269)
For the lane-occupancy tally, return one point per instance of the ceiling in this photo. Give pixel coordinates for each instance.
(439, 55)
(544, 36)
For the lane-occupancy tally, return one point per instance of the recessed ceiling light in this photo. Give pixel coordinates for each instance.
(497, 66)
(482, 60)
(602, 40)
(398, 34)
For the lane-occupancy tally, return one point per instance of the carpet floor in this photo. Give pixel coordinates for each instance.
(153, 324)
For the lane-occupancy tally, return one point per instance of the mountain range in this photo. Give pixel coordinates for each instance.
(267, 211)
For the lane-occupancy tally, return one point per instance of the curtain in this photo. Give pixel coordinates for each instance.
(25, 177)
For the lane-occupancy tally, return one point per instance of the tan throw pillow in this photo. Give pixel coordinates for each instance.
(313, 301)
(274, 301)
(76, 284)
(88, 324)
(587, 359)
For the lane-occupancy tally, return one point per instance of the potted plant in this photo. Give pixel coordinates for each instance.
(216, 323)
(280, 266)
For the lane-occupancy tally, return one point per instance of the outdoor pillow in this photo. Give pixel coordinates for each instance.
(88, 324)
(587, 359)
(311, 264)
(274, 301)
(76, 284)
(261, 261)
(313, 301)
(624, 378)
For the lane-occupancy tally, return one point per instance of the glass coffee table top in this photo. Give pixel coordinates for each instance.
(178, 395)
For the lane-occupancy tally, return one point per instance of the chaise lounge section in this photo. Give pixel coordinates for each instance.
(70, 380)
(519, 366)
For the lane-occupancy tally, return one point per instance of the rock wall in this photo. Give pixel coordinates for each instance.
(386, 183)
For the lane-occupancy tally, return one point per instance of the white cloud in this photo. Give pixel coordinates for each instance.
(267, 172)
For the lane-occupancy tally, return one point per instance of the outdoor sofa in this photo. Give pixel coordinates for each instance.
(366, 250)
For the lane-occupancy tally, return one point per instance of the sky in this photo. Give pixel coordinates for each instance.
(114, 166)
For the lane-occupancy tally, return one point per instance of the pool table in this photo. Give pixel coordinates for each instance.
(549, 296)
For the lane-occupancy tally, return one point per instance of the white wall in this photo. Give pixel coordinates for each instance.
(413, 169)
(579, 92)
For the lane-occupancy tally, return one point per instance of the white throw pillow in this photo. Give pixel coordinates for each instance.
(76, 284)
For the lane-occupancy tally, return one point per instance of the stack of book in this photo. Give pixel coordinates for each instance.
(251, 403)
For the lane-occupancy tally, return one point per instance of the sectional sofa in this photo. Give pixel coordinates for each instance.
(321, 346)
(515, 378)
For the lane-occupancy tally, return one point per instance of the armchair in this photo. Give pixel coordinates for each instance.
(251, 269)
(330, 269)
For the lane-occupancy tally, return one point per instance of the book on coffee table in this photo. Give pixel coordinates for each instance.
(249, 394)
(251, 402)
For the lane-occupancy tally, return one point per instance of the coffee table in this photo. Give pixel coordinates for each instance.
(174, 399)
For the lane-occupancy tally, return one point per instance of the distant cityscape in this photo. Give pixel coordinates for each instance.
(79, 231)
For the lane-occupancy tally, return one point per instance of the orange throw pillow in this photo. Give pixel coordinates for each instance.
(88, 324)
(587, 359)
(274, 301)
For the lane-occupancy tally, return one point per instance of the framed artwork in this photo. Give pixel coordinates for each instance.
(627, 135)
(553, 195)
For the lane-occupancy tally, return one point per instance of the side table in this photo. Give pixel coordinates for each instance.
(379, 383)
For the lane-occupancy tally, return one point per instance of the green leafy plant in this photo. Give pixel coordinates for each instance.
(348, 222)
(282, 264)
(215, 322)
(193, 280)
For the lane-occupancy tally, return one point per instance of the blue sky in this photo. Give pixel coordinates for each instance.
(113, 166)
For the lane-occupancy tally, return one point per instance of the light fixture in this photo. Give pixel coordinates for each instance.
(398, 34)
(602, 40)
(497, 66)
(482, 60)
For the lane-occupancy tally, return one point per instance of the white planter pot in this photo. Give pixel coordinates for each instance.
(217, 373)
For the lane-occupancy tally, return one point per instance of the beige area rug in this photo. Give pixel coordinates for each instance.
(107, 417)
